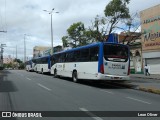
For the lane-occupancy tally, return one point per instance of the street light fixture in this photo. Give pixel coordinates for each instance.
(51, 12)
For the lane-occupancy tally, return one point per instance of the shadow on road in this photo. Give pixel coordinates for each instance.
(5, 85)
(103, 84)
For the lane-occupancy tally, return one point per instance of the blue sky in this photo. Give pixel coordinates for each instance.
(19, 17)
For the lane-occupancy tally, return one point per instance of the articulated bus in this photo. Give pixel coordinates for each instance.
(42, 64)
(98, 61)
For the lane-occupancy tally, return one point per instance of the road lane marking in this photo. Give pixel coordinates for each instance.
(107, 91)
(90, 114)
(28, 79)
(44, 87)
(138, 100)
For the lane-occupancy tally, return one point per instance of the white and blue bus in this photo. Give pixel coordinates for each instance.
(42, 64)
(98, 61)
(29, 65)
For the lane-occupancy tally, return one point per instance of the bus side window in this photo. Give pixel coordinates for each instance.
(63, 57)
(77, 55)
(69, 57)
(85, 55)
(52, 60)
(94, 53)
(57, 58)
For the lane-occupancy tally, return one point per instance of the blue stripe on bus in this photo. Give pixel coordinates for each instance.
(100, 57)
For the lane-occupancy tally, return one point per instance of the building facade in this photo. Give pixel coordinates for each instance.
(38, 51)
(55, 49)
(150, 28)
(133, 39)
(8, 59)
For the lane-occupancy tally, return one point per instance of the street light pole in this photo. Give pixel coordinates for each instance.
(25, 47)
(51, 36)
(50, 12)
(1, 58)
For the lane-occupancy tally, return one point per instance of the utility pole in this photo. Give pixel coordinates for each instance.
(16, 52)
(24, 48)
(1, 58)
(1, 52)
(51, 12)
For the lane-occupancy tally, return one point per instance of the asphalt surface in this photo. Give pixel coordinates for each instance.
(146, 82)
(29, 91)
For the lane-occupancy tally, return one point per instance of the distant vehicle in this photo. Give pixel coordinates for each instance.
(29, 65)
(98, 61)
(42, 64)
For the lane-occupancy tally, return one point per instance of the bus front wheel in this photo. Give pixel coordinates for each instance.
(74, 76)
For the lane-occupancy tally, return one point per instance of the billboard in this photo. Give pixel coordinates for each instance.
(150, 20)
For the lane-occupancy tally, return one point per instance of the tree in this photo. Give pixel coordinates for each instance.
(77, 36)
(65, 41)
(130, 28)
(98, 28)
(17, 60)
(75, 33)
(116, 11)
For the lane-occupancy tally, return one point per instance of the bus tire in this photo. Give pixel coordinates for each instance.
(55, 73)
(74, 76)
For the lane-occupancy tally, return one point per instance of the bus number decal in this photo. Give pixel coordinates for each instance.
(118, 66)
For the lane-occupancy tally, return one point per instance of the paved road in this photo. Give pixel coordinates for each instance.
(29, 91)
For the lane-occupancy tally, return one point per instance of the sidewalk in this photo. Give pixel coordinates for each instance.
(146, 83)
(153, 76)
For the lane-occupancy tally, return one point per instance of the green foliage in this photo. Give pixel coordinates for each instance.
(65, 41)
(78, 35)
(75, 33)
(98, 29)
(21, 66)
(17, 60)
(116, 10)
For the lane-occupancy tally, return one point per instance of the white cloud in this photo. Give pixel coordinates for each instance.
(21, 17)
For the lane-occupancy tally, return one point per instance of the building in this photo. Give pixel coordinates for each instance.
(133, 39)
(38, 51)
(150, 19)
(8, 59)
(55, 49)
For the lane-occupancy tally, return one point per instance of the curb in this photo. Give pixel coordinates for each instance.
(145, 77)
(150, 90)
(142, 88)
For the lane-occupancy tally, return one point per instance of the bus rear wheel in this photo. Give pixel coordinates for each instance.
(74, 76)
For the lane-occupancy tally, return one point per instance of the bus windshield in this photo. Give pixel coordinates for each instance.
(115, 53)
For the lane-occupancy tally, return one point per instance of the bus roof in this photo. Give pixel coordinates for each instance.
(87, 46)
